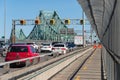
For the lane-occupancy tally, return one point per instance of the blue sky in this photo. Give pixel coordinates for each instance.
(29, 9)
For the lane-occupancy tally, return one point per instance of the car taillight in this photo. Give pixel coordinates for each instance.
(49, 46)
(53, 48)
(63, 49)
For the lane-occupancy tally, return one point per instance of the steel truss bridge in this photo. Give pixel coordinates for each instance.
(44, 31)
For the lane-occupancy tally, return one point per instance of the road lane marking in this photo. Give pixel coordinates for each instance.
(85, 68)
(77, 78)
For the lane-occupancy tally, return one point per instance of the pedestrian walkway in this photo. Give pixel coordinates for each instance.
(91, 70)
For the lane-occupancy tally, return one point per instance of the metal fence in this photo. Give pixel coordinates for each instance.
(104, 18)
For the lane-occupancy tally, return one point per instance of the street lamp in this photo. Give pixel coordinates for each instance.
(83, 29)
(91, 34)
(5, 21)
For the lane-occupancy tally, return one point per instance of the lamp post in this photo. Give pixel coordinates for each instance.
(91, 34)
(83, 29)
(5, 21)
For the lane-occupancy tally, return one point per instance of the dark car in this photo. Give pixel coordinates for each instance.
(70, 45)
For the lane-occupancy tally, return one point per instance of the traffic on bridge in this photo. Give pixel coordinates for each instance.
(75, 41)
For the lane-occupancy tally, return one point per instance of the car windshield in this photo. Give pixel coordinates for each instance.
(32, 49)
(46, 44)
(30, 43)
(59, 45)
(19, 49)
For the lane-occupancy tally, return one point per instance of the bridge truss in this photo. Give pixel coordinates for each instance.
(45, 31)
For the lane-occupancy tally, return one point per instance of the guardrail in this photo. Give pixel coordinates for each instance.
(6, 65)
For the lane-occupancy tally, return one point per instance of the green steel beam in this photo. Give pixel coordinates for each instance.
(46, 31)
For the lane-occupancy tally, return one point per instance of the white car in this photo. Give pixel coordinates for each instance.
(34, 45)
(60, 48)
(46, 47)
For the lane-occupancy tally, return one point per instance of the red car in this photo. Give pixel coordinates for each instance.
(16, 52)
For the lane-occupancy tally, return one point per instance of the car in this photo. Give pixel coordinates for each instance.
(3, 49)
(16, 52)
(34, 45)
(70, 45)
(46, 47)
(60, 48)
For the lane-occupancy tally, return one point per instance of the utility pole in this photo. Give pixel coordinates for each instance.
(66, 34)
(91, 34)
(13, 40)
(83, 29)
